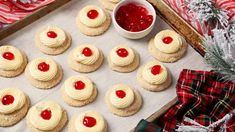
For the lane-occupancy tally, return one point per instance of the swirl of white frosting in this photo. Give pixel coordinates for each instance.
(86, 60)
(19, 100)
(151, 78)
(122, 61)
(99, 20)
(53, 42)
(114, 1)
(121, 102)
(98, 127)
(79, 94)
(43, 76)
(38, 122)
(173, 47)
(10, 64)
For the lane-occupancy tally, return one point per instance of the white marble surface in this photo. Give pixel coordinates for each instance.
(104, 77)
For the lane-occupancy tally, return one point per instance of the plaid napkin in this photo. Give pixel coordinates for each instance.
(202, 96)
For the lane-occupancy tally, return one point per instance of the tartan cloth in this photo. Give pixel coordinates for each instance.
(202, 96)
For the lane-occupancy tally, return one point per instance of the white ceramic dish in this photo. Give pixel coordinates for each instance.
(129, 34)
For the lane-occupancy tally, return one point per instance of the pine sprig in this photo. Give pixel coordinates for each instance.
(206, 11)
(218, 46)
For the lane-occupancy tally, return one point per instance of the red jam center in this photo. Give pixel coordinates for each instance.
(51, 34)
(167, 40)
(121, 94)
(122, 52)
(89, 121)
(44, 67)
(133, 17)
(8, 56)
(87, 52)
(7, 99)
(156, 69)
(46, 114)
(79, 85)
(92, 14)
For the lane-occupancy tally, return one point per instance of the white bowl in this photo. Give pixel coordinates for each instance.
(129, 34)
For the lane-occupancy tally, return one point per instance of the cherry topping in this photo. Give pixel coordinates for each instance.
(46, 114)
(8, 56)
(167, 40)
(122, 52)
(87, 52)
(89, 121)
(92, 14)
(133, 17)
(51, 34)
(156, 69)
(79, 85)
(44, 67)
(121, 94)
(7, 99)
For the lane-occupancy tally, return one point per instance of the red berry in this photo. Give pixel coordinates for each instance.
(122, 52)
(46, 114)
(87, 52)
(130, 15)
(167, 40)
(89, 121)
(92, 14)
(79, 85)
(7, 99)
(8, 56)
(121, 94)
(44, 67)
(51, 34)
(156, 69)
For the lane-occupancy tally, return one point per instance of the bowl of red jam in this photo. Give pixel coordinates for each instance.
(134, 19)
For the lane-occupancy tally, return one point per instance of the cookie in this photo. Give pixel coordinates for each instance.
(109, 4)
(85, 58)
(53, 40)
(167, 46)
(43, 73)
(123, 101)
(89, 121)
(14, 106)
(154, 76)
(78, 91)
(46, 116)
(12, 61)
(93, 21)
(123, 59)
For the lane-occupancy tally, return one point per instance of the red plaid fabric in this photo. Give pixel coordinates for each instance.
(202, 96)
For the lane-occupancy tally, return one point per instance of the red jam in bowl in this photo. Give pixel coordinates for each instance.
(133, 17)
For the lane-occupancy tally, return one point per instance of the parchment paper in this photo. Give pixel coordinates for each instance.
(104, 77)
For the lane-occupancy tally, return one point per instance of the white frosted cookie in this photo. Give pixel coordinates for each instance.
(154, 76)
(12, 61)
(43, 73)
(85, 58)
(123, 101)
(46, 116)
(109, 4)
(89, 121)
(123, 59)
(93, 20)
(53, 40)
(13, 106)
(167, 46)
(78, 91)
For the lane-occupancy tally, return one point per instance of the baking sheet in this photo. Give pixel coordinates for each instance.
(104, 78)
